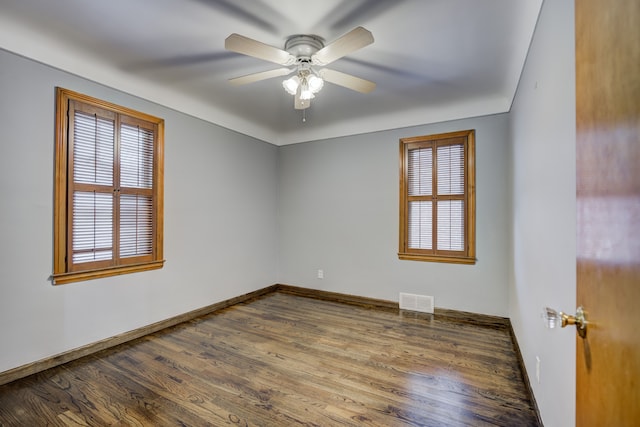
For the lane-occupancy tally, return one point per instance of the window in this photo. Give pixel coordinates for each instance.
(437, 198)
(108, 190)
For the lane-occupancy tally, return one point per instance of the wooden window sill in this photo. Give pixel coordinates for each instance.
(78, 276)
(437, 258)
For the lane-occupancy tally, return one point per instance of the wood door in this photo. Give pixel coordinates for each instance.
(608, 211)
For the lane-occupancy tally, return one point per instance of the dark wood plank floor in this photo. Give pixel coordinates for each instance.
(287, 360)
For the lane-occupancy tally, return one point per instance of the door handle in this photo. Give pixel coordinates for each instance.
(552, 318)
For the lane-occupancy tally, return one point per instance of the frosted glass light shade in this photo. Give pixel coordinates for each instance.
(315, 83)
(291, 85)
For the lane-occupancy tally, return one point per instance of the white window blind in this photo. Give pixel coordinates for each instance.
(92, 226)
(93, 143)
(421, 225)
(136, 157)
(420, 174)
(136, 225)
(93, 160)
(136, 205)
(451, 225)
(420, 180)
(451, 169)
(450, 214)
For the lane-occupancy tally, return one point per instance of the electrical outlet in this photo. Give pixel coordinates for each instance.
(538, 369)
(320, 274)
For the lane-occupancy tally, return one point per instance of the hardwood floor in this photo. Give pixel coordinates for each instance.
(283, 360)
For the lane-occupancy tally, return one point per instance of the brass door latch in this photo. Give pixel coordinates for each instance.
(551, 318)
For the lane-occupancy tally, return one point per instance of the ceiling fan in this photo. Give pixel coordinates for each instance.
(304, 56)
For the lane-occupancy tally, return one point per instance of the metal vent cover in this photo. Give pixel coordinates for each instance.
(413, 302)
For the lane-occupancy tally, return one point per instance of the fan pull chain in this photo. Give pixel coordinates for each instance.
(304, 115)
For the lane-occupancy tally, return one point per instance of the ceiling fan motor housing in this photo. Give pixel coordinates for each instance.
(303, 46)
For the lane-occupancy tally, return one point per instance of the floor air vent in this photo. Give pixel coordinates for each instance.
(413, 302)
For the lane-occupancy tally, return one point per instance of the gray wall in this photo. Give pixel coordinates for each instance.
(543, 220)
(220, 223)
(338, 211)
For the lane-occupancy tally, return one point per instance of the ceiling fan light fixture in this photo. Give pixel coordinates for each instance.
(315, 83)
(291, 85)
(305, 92)
(309, 84)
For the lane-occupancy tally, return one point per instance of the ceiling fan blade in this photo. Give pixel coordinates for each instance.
(300, 104)
(347, 80)
(256, 77)
(250, 47)
(355, 39)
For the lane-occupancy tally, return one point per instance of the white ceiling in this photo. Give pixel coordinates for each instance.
(432, 60)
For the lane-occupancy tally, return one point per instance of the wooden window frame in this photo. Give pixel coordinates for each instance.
(64, 271)
(468, 255)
